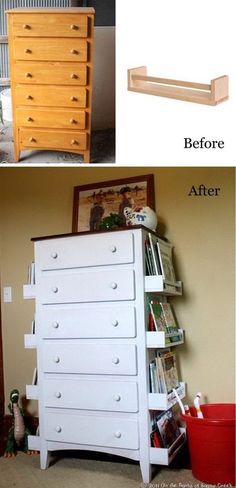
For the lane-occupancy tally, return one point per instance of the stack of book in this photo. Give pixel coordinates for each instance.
(163, 373)
(161, 318)
(165, 430)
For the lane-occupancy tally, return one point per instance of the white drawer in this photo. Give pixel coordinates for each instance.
(91, 430)
(117, 396)
(93, 322)
(89, 358)
(76, 252)
(95, 286)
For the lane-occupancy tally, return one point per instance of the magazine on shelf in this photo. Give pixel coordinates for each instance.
(162, 319)
(166, 426)
(163, 373)
(169, 368)
(152, 258)
(165, 252)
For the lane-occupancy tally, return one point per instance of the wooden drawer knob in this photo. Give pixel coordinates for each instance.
(113, 248)
(54, 255)
(29, 119)
(73, 99)
(73, 121)
(29, 97)
(58, 394)
(55, 325)
(115, 360)
(113, 285)
(74, 27)
(28, 51)
(74, 142)
(74, 51)
(28, 75)
(32, 139)
(73, 76)
(26, 26)
(116, 398)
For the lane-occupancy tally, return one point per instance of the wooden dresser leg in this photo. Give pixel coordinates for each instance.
(16, 153)
(86, 156)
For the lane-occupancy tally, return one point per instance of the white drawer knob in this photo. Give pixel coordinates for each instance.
(55, 325)
(113, 248)
(56, 359)
(115, 360)
(115, 323)
(117, 434)
(58, 428)
(54, 255)
(113, 285)
(58, 394)
(117, 398)
(54, 289)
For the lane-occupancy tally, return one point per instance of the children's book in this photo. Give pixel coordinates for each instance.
(168, 360)
(167, 427)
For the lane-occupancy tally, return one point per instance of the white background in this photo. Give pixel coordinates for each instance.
(183, 40)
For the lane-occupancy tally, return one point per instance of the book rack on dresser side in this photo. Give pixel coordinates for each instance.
(51, 66)
(92, 351)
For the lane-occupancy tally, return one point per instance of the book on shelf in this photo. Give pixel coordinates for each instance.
(169, 370)
(166, 427)
(163, 373)
(35, 377)
(152, 258)
(161, 318)
(31, 274)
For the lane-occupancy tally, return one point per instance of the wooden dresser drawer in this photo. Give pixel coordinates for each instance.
(50, 73)
(58, 119)
(43, 25)
(95, 286)
(91, 430)
(52, 139)
(103, 322)
(89, 358)
(50, 96)
(71, 252)
(45, 49)
(87, 394)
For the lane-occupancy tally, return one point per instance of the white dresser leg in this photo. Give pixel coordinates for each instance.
(146, 470)
(44, 458)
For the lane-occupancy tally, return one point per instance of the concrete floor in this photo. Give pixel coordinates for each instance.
(102, 151)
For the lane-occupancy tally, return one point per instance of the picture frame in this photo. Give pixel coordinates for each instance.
(166, 253)
(94, 201)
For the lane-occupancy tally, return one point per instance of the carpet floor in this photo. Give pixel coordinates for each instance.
(70, 471)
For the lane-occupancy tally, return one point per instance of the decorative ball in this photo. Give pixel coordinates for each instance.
(145, 216)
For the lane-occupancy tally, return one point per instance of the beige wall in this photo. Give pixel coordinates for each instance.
(38, 201)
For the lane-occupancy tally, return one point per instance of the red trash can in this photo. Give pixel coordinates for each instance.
(212, 443)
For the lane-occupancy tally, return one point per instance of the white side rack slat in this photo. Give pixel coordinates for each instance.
(30, 341)
(163, 401)
(158, 339)
(156, 283)
(29, 292)
(160, 455)
(32, 392)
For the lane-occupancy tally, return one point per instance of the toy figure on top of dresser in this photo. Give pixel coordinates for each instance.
(51, 64)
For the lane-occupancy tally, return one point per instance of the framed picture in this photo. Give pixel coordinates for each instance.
(165, 252)
(96, 201)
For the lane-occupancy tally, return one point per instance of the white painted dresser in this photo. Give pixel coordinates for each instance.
(93, 346)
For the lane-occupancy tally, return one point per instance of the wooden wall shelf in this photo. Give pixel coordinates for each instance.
(212, 94)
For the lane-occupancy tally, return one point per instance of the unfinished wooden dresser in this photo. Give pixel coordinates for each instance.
(51, 64)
